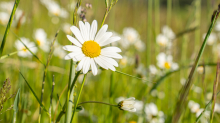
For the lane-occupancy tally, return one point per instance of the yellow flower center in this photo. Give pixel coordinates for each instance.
(39, 42)
(167, 65)
(24, 49)
(91, 49)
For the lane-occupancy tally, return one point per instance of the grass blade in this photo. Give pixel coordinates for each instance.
(8, 26)
(15, 107)
(215, 86)
(131, 76)
(34, 94)
(186, 88)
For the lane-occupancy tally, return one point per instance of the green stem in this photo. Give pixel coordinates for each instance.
(8, 26)
(98, 103)
(76, 104)
(186, 88)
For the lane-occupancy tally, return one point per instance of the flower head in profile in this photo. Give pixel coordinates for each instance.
(23, 51)
(166, 62)
(127, 104)
(41, 38)
(88, 49)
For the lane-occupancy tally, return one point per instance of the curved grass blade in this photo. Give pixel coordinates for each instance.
(131, 76)
(15, 107)
(207, 105)
(186, 88)
(160, 80)
(34, 94)
(8, 26)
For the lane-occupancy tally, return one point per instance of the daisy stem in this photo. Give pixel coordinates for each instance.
(51, 98)
(186, 88)
(108, 10)
(8, 26)
(97, 102)
(77, 101)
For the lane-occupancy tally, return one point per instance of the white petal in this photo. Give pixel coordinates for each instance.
(93, 30)
(71, 48)
(78, 57)
(101, 32)
(105, 37)
(71, 55)
(80, 65)
(112, 55)
(74, 41)
(106, 63)
(94, 68)
(110, 60)
(110, 40)
(111, 49)
(98, 61)
(86, 65)
(87, 25)
(83, 31)
(77, 33)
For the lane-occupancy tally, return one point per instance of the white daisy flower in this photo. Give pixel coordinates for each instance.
(205, 116)
(41, 38)
(217, 108)
(162, 40)
(7, 6)
(88, 48)
(194, 107)
(127, 104)
(138, 105)
(4, 17)
(168, 32)
(139, 45)
(130, 35)
(153, 70)
(212, 38)
(166, 62)
(200, 69)
(23, 51)
(153, 115)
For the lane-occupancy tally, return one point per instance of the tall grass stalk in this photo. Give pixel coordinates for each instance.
(8, 26)
(186, 88)
(51, 98)
(70, 92)
(169, 11)
(45, 72)
(157, 22)
(197, 23)
(15, 107)
(149, 31)
(215, 86)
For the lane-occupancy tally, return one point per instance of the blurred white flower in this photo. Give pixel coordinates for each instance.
(209, 95)
(194, 107)
(217, 26)
(212, 38)
(141, 70)
(59, 51)
(153, 115)
(153, 70)
(130, 35)
(7, 6)
(66, 28)
(54, 9)
(154, 93)
(138, 106)
(183, 81)
(168, 32)
(23, 52)
(127, 104)
(123, 62)
(200, 69)
(162, 40)
(217, 108)
(4, 17)
(166, 62)
(41, 38)
(205, 117)
(216, 49)
(139, 45)
(19, 17)
(197, 89)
